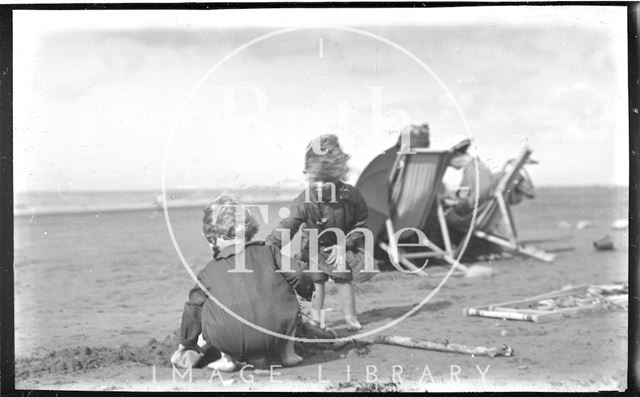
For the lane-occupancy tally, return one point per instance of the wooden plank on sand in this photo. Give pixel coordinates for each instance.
(504, 350)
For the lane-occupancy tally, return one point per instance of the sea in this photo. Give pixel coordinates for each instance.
(55, 202)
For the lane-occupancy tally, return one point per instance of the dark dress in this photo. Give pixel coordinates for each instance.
(264, 297)
(317, 211)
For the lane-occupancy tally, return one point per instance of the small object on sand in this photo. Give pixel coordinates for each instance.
(619, 301)
(353, 325)
(604, 244)
(546, 304)
(566, 301)
(611, 289)
(445, 346)
(564, 225)
(476, 271)
(584, 225)
(620, 224)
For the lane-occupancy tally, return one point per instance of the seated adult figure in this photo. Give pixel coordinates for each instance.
(262, 297)
(460, 203)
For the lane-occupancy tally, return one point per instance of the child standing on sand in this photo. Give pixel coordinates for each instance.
(328, 202)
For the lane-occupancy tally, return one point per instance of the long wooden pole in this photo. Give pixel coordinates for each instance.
(504, 350)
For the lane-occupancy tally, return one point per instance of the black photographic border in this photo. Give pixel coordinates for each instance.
(7, 353)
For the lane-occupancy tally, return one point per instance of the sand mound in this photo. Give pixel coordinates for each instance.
(85, 358)
(154, 352)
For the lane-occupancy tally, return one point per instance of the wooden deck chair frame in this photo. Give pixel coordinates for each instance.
(499, 205)
(520, 309)
(396, 188)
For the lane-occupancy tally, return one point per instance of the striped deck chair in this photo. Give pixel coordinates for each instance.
(494, 221)
(414, 186)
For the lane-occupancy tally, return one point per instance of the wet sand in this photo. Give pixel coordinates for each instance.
(87, 284)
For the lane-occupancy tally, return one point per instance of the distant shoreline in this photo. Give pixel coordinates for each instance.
(264, 189)
(48, 203)
(151, 206)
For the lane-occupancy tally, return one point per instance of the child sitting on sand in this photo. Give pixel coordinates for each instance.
(263, 297)
(328, 202)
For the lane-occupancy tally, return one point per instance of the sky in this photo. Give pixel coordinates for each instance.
(122, 100)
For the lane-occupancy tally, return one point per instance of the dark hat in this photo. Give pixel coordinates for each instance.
(327, 162)
(419, 135)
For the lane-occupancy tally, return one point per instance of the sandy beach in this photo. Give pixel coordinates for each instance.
(98, 299)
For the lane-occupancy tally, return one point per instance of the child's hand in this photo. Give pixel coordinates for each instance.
(336, 257)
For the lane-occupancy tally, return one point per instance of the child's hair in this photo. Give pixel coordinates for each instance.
(327, 163)
(220, 220)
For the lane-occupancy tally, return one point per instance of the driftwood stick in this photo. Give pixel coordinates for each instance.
(504, 350)
(355, 342)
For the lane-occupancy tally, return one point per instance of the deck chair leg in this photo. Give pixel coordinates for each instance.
(495, 240)
(393, 244)
(414, 269)
(406, 262)
(446, 256)
(536, 253)
(506, 216)
(511, 241)
(521, 249)
(444, 229)
(394, 254)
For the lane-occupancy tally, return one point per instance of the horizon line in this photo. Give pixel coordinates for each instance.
(270, 187)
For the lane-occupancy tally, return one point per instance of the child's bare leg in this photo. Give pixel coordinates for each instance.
(349, 298)
(317, 303)
(289, 357)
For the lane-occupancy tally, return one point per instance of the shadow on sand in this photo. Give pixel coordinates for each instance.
(315, 354)
(391, 312)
